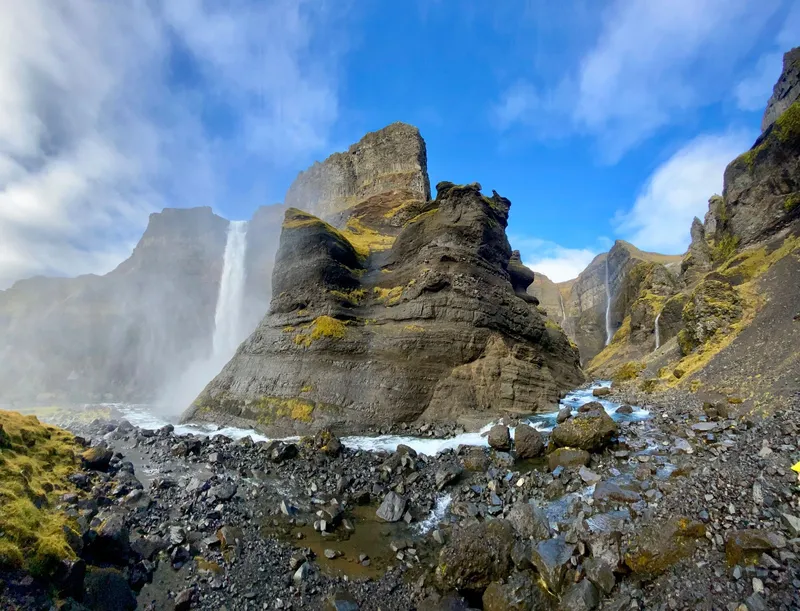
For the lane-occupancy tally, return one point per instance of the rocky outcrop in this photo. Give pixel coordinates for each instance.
(379, 322)
(697, 260)
(549, 296)
(712, 308)
(786, 90)
(391, 160)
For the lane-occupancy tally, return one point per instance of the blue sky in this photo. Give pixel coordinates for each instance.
(599, 120)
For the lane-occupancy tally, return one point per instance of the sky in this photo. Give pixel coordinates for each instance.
(599, 120)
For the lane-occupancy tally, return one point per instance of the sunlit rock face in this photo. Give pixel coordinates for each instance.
(392, 308)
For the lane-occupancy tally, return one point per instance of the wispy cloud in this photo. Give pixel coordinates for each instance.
(557, 262)
(111, 110)
(651, 63)
(678, 190)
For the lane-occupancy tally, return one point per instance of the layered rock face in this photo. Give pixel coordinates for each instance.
(786, 90)
(549, 296)
(615, 280)
(387, 320)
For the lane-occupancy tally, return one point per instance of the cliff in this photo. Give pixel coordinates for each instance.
(410, 309)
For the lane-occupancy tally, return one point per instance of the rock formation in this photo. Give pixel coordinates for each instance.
(786, 90)
(549, 296)
(410, 309)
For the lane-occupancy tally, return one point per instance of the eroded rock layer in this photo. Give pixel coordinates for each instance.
(381, 322)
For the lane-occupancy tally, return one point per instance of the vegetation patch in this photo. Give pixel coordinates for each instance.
(388, 296)
(724, 248)
(414, 328)
(422, 216)
(35, 460)
(787, 126)
(615, 348)
(321, 327)
(271, 409)
(628, 371)
(353, 297)
(364, 239)
(791, 203)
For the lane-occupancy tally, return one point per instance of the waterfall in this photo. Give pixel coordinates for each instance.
(227, 318)
(609, 334)
(658, 333)
(563, 311)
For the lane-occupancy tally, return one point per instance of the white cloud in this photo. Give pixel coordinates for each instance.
(678, 191)
(553, 260)
(651, 64)
(104, 116)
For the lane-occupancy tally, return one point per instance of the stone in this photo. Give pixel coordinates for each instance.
(183, 601)
(499, 438)
(230, 536)
(567, 457)
(609, 491)
(149, 546)
(581, 596)
(107, 590)
(446, 476)
(624, 409)
(744, 547)
(563, 414)
(97, 458)
(590, 431)
(528, 442)
(303, 573)
(660, 546)
(340, 600)
(551, 557)
(528, 521)
(588, 476)
(600, 574)
(224, 492)
(392, 508)
(603, 391)
(793, 523)
(112, 541)
(519, 592)
(475, 556)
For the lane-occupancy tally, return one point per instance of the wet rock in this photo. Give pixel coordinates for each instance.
(567, 457)
(283, 451)
(528, 521)
(588, 476)
(589, 431)
(581, 596)
(327, 443)
(591, 406)
(392, 508)
(660, 546)
(147, 547)
(112, 541)
(500, 438)
(624, 409)
(609, 491)
(107, 590)
(341, 601)
(564, 414)
(447, 476)
(97, 458)
(476, 555)
(528, 442)
(600, 574)
(519, 593)
(475, 459)
(551, 558)
(744, 547)
(224, 492)
(603, 391)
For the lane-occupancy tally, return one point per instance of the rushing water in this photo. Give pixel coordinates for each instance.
(144, 416)
(658, 332)
(609, 334)
(227, 318)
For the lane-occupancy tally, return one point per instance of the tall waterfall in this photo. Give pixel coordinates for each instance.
(658, 332)
(227, 318)
(563, 311)
(609, 334)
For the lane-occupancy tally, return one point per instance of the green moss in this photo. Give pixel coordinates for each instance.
(321, 327)
(35, 460)
(650, 385)
(308, 388)
(353, 297)
(724, 248)
(791, 203)
(422, 216)
(389, 296)
(628, 371)
(271, 409)
(364, 239)
(787, 125)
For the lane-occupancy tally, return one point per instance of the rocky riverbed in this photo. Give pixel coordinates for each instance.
(691, 508)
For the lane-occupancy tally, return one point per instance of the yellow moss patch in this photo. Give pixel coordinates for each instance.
(352, 297)
(271, 409)
(422, 216)
(614, 349)
(35, 460)
(308, 388)
(321, 327)
(389, 296)
(288, 329)
(414, 328)
(364, 239)
(628, 371)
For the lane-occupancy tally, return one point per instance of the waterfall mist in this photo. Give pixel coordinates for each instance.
(229, 331)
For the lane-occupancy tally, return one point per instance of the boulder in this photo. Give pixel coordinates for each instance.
(567, 457)
(563, 414)
(528, 521)
(624, 409)
(446, 476)
(744, 547)
(111, 543)
(600, 574)
(608, 491)
(107, 590)
(528, 442)
(581, 596)
(500, 438)
(475, 556)
(551, 558)
(603, 391)
(98, 457)
(519, 592)
(591, 406)
(392, 508)
(589, 431)
(660, 546)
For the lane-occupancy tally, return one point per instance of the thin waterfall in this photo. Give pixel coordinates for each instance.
(227, 318)
(658, 332)
(609, 334)
(563, 311)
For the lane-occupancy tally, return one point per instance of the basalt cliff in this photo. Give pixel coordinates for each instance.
(391, 307)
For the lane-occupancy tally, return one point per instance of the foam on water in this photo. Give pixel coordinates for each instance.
(437, 515)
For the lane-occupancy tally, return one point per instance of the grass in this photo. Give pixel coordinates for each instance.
(791, 203)
(35, 460)
(618, 343)
(364, 239)
(628, 371)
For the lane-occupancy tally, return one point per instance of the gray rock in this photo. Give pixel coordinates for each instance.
(563, 415)
(392, 508)
(476, 555)
(528, 442)
(183, 601)
(224, 491)
(581, 596)
(600, 574)
(588, 476)
(528, 521)
(500, 438)
(589, 431)
(550, 558)
(786, 91)
(447, 476)
(793, 523)
(107, 590)
(341, 601)
(303, 573)
(624, 409)
(609, 491)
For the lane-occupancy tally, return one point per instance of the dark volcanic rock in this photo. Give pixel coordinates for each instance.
(350, 298)
(499, 437)
(97, 457)
(530, 522)
(476, 556)
(107, 590)
(567, 457)
(660, 546)
(519, 593)
(551, 557)
(528, 442)
(786, 91)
